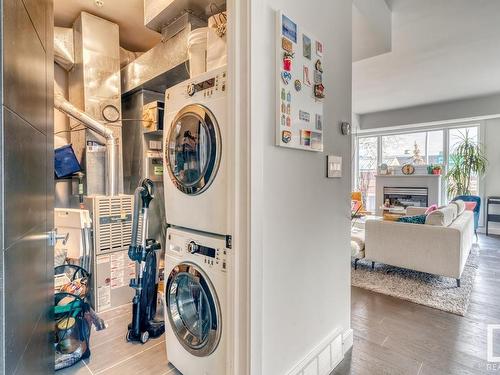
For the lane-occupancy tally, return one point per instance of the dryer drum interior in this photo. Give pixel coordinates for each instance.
(194, 149)
(193, 309)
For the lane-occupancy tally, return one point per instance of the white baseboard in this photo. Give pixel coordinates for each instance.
(347, 340)
(323, 359)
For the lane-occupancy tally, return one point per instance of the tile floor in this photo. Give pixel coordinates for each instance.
(111, 354)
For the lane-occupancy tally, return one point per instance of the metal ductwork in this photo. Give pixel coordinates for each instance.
(167, 63)
(126, 56)
(111, 167)
(160, 13)
(94, 90)
(64, 54)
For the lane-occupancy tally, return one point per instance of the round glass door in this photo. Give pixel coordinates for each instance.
(193, 309)
(194, 149)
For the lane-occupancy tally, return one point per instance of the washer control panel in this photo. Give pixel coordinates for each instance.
(212, 85)
(211, 256)
(208, 87)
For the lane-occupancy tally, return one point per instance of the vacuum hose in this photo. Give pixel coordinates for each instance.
(143, 196)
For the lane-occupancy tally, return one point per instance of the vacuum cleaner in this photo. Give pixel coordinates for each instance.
(143, 251)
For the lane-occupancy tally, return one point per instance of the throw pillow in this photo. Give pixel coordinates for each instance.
(460, 204)
(417, 219)
(469, 206)
(434, 207)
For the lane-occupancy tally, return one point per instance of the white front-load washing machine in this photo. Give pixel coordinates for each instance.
(195, 153)
(196, 302)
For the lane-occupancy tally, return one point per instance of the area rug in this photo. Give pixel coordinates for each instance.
(418, 287)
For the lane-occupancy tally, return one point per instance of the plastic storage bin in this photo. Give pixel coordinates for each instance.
(65, 162)
(197, 49)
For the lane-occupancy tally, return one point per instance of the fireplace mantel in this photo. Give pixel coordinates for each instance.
(431, 181)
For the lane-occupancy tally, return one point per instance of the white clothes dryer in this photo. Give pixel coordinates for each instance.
(195, 153)
(196, 302)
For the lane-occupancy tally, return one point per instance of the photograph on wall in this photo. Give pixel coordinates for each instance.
(305, 137)
(319, 48)
(319, 122)
(306, 46)
(306, 79)
(289, 28)
(316, 141)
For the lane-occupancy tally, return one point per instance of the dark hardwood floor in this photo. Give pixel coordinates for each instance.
(392, 336)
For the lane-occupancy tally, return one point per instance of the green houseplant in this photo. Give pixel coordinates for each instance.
(467, 159)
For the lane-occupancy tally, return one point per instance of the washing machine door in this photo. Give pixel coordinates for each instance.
(193, 149)
(193, 309)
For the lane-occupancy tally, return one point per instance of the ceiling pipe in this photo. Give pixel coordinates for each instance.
(111, 166)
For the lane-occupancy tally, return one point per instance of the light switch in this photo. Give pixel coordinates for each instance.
(334, 166)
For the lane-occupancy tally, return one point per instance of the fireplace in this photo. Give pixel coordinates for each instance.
(417, 190)
(406, 196)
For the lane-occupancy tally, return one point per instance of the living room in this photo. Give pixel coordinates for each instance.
(425, 226)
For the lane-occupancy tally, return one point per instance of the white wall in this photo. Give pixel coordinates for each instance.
(300, 219)
(492, 178)
(371, 29)
(451, 110)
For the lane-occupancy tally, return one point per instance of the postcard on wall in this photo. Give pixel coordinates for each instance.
(306, 46)
(289, 28)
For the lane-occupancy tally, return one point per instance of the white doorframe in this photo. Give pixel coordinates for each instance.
(239, 149)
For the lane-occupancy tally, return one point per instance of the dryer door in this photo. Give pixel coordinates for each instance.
(193, 309)
(193, 149)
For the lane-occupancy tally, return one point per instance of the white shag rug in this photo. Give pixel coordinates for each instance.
(425, 289)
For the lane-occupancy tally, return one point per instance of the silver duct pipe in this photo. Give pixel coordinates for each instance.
(111, 166)
(126, 56)
(64, 54)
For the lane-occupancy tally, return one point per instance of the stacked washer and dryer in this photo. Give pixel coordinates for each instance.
(196, 203)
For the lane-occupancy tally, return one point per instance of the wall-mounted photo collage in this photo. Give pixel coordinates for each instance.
(300, 86)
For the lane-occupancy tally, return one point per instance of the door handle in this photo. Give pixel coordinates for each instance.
(53, 237)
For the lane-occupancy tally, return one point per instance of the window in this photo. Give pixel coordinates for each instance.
(401, 149)
(413, 148)
(435, 147)
(367, 167)
(420, 147)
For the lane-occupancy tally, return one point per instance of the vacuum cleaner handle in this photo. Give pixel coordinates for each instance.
(147, 193)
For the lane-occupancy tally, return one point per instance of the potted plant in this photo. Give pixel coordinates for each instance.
(437, 169)
(467, 159)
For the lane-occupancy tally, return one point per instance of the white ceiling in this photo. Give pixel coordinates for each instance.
(441, 50)
(128, 14)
